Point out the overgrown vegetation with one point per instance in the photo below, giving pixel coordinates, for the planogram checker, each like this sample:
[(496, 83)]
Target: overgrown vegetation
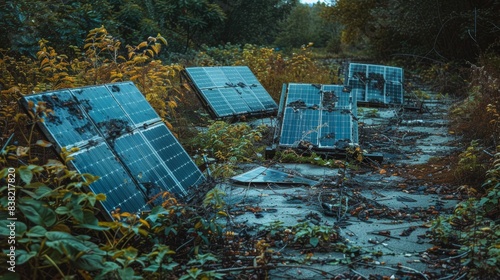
[(474, 227), (229, 144)]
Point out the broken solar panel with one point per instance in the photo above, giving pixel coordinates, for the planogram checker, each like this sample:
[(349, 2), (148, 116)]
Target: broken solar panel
[(122, 140), (318, 116), (230, 91), (376, 83), (265, 175)]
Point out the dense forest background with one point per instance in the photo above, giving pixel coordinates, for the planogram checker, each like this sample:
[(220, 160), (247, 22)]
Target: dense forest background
[(450, 47), (441, 30)]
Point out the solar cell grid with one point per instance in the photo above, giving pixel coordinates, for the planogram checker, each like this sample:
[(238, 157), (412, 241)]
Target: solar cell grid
[(174, 157), (249, 97), (235, 102), (233, 74), (300, 127), (201, 77), (343, 95), (102, 106), (393, 74), (133, 103), (68, 123), (217, 76), (114, 182), (264, 98), (300, 95), (144, 165), (393, 90), (218, 102), (337, 126)]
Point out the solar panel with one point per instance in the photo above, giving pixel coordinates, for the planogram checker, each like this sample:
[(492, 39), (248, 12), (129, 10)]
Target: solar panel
[(265, 175), (121, 139), (230, 91), (378, 83), (318, 116)]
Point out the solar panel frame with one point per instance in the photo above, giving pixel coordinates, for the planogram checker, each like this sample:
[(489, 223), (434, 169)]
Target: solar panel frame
[(379, 83), (318, 117), (229, 91), (142, 157)]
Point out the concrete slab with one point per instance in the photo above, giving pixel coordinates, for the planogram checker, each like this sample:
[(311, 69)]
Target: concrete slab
[(380, 227), (385, 236)]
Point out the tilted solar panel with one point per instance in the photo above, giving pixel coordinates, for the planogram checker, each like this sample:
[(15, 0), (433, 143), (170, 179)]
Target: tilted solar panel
[(121, 139), (379, 83), (230, 91), (318, 116)]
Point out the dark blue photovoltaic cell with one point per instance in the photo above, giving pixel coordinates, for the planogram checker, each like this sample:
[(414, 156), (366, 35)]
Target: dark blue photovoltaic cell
[(218, 77), (145, 165), (394, 74), (235, 101), (378, 82), (337, 125), (235, 74), (114, 181), (306, 93), (300, 126), (375, 95), (67, 124), (218, 101), (357, 71), (201, 78), (358, 94), (255, 96), (358, 87), (103, 109), (319, 115), (253, 103), (392, 91), (231, 91), (264, 98), (174, 157), (343, 96), (133, 103)]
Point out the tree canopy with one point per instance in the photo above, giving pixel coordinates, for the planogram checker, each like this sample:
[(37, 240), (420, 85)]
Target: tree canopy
[(444, 30)]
